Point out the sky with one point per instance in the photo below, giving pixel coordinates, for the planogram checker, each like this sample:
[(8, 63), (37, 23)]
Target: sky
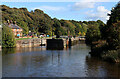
[(79, 11)]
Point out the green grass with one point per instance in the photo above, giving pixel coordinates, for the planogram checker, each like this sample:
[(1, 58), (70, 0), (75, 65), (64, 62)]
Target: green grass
[(23, 38)]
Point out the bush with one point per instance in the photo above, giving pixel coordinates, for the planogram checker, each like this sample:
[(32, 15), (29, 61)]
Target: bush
[(98, 47), (112, 55), (8, 38)]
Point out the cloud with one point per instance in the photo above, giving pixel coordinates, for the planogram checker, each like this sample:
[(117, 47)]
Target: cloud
[(83, 5), (50, 8), (100, 13), (102, 9)]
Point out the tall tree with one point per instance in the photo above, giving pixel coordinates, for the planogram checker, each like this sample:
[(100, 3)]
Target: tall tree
[(113, 28), (8, 39)]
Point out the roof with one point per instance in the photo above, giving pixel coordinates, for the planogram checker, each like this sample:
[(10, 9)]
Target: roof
[(14, 26)]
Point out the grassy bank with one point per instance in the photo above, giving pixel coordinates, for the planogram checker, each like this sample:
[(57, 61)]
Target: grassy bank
[(22, 38)]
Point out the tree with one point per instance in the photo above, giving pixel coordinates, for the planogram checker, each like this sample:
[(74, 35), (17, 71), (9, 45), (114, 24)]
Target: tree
[(115, 14), (57, 25), (93, 34), (8, 39), (39, 22), (112, 29), (113, 38)]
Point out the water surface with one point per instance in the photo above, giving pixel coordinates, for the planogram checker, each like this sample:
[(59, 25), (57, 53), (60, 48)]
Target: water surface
[(71, 62)]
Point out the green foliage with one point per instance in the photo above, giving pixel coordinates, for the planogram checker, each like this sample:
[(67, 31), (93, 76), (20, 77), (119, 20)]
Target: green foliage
[(113, 38), (112, 29), (57, 26), (111, 34), (39, 22), (112, 56), (93, 34), (85, 27), (25, 27), (70, 28), (78, 28), (115, 14), (8, 39), (36, 21)]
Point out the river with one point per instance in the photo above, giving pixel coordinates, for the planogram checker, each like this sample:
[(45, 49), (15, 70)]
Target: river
[(70, 62)]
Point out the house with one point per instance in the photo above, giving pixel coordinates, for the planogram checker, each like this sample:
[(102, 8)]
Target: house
[(16, 29)]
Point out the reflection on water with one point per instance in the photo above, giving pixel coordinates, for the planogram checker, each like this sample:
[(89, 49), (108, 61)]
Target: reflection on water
[(22, 50), (39, 62), (101, 68)]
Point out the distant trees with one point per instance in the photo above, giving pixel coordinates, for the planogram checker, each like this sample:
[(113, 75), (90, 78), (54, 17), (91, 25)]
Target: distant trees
[(36, 21), (57, 26), (78, 28), (93, 34), (39, 22), (24, 27)]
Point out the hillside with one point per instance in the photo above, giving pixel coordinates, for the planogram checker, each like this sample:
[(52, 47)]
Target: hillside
[(39, 22)]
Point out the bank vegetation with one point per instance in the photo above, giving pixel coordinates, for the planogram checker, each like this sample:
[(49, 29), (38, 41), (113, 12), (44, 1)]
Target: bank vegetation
[(105, 39)]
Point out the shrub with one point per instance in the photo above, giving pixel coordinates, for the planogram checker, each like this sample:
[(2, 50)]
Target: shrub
[(112, 55), (98, 47)]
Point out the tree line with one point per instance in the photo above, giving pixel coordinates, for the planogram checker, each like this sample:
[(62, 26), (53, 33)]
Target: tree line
[(105, 39), (39, 22)]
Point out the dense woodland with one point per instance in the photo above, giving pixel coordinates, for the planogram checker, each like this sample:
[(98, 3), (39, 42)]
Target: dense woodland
[(105, 40), (39, 22)]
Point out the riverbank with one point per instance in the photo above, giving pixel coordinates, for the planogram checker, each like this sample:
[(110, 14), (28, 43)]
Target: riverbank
[(101, 49)]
